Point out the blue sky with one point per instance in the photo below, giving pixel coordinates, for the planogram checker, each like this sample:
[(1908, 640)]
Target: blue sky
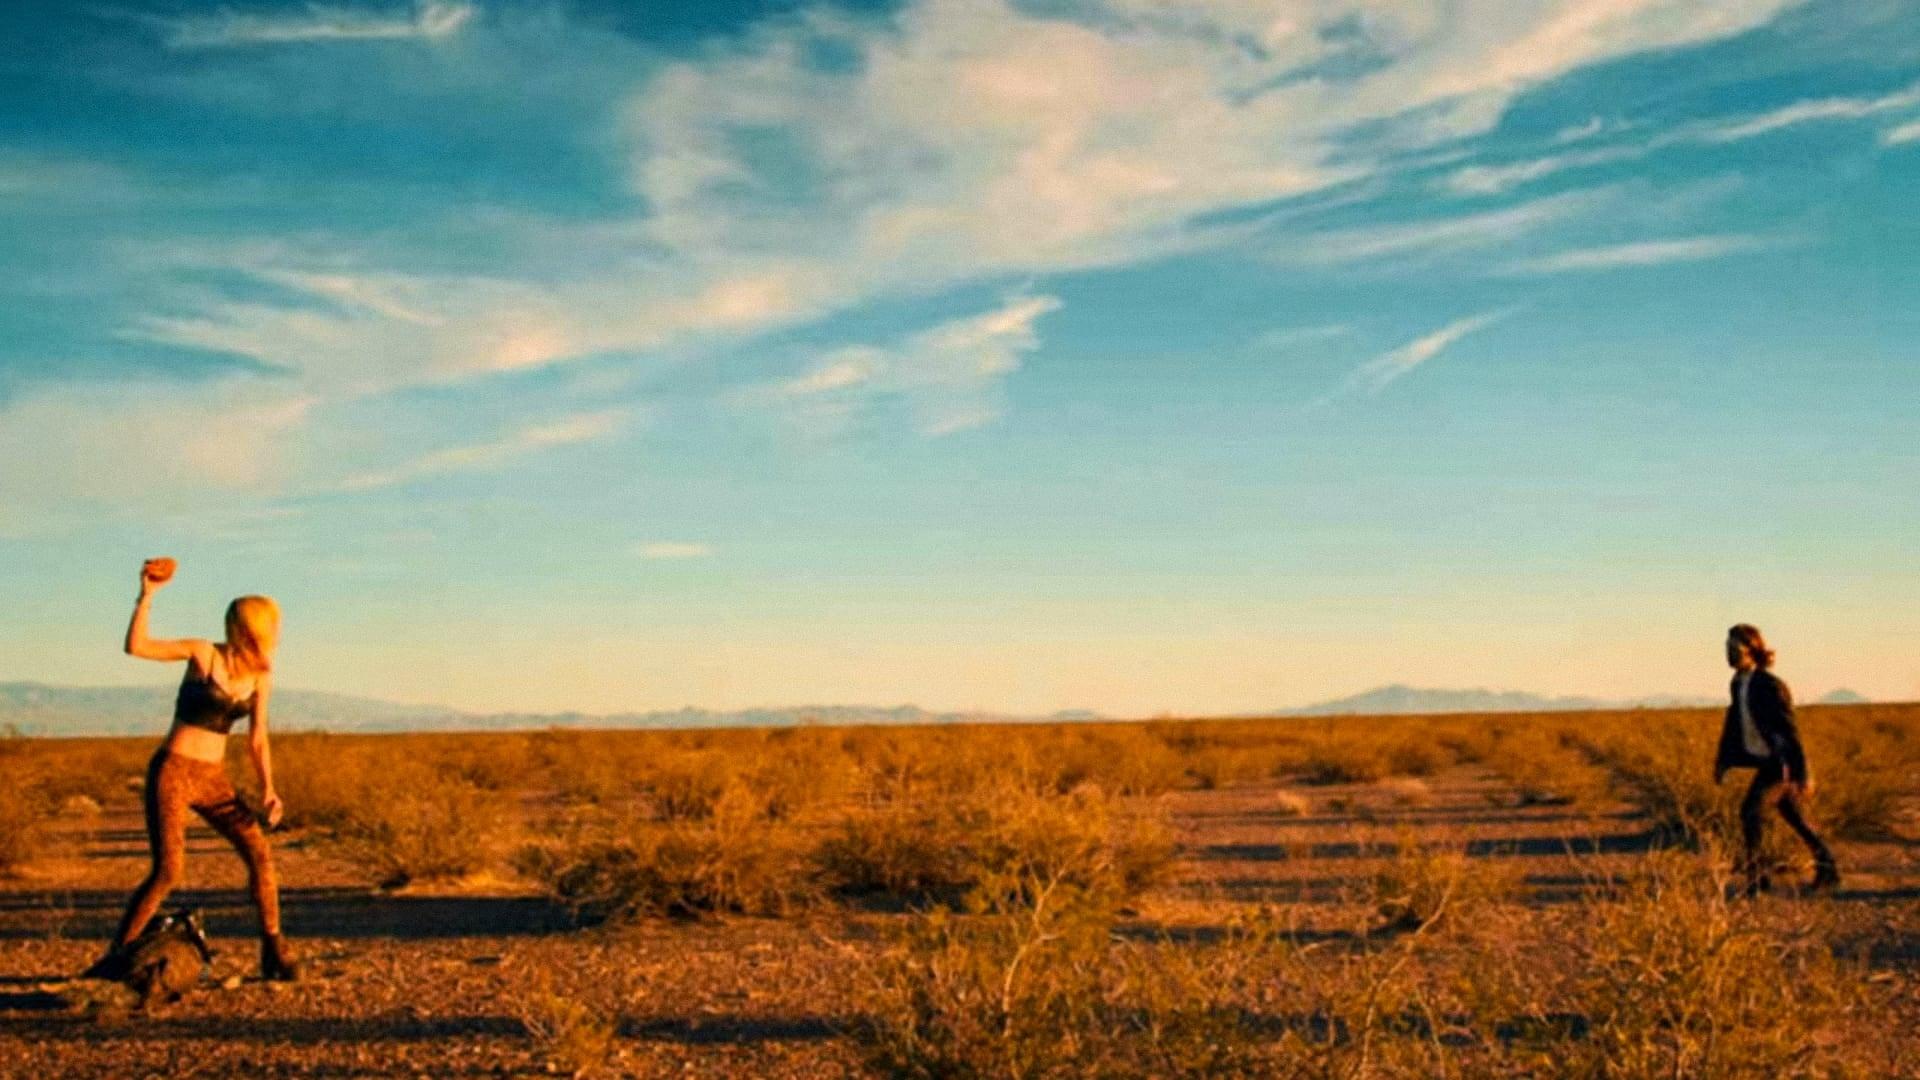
[(1138, 355)]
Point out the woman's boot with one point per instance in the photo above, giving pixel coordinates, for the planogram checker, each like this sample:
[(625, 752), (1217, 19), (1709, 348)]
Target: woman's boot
[(274, 964), (114, 965)]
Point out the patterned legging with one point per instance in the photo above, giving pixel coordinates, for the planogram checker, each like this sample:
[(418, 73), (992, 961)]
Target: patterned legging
[(175, 785)]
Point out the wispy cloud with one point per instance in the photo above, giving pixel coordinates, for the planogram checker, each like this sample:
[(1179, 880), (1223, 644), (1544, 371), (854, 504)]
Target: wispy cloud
[(673, 549), (354, 292), (947, 375), (579, 428), (428, 20), (1499, 178), (1434, 235), (1901, 135), (959, 143), (1581, 132), (1646, 253), (1378, 373), (1801, 112), (954, 150), (1555, 37), (845, 368), (1287, 337)]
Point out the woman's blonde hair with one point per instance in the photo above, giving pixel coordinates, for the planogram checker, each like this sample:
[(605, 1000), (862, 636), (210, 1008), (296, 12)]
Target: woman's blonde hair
[(1748, 635), (253, 629)]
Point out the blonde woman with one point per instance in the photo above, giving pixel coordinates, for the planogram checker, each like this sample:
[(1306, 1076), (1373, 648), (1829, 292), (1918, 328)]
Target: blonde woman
[(224, 682)]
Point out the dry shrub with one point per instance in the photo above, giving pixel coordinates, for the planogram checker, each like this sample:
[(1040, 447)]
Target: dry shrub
[(1088, 838), (48, 779), (735, 861), (997, 837), (911, 850), (1866, 770), (405, 833), (1012, 995), (1223, 766), (1469, 741), (22, 828), (97, 769), (1179, 1009), (1345, 1011), (1416, 754), (1667, 771), (1345, 758), (1406, 791), (686, 786), (1048, 992), (390, 806), (798, 770), (894, 768), (1288, 758), (323, 778), (80, 806), (1290, 804), (572, 1036), (1424, 886), (1543, 767), (1864, 804), (1676, 980), (490, 762), (1043, 992), (1124, 759), (585, 767)]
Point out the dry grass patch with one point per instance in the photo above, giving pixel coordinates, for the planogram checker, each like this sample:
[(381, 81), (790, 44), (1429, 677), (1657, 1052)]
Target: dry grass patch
[(686, 786), (1125, 759), (1867, 771), (914, 851), (1290, 804), (997, 837), (1666, 769), (1676, 980), (1344, 758), (1545, 766), (571, 1035), (20, 818), (47, 780), (1407, 791), (22, 829), (1422, 886), (1044, 992), (402, 815), (734, 861)]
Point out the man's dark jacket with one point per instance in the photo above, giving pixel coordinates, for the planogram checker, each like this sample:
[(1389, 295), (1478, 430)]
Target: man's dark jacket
[(1770, 704)]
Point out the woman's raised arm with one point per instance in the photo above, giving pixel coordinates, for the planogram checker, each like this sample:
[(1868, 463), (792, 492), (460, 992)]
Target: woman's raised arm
[(147, 648)]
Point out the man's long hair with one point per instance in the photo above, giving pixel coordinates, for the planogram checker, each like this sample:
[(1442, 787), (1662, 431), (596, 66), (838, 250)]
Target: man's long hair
[(1748, 635)]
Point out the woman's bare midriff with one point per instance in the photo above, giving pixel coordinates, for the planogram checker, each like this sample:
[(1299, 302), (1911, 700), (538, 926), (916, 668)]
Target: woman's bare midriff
[(197, 743)]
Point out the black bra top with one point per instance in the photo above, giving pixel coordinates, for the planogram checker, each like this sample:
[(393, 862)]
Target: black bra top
[(201, 704)]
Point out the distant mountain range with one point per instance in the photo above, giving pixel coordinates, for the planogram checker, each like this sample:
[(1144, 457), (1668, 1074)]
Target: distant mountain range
[(1400, 699), (38, 709), (1842, 696)]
